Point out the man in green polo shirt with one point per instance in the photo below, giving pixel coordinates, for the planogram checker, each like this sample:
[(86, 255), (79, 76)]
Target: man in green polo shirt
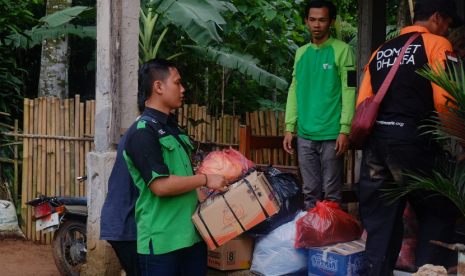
[(321, 102), (157, 153)]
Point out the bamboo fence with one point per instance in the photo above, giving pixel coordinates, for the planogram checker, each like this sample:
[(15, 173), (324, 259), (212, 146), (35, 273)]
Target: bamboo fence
[(58, 134), (224, 132), (55, 145)]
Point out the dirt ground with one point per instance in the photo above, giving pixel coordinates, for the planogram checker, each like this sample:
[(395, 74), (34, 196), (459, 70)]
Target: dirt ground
[(24, 258)]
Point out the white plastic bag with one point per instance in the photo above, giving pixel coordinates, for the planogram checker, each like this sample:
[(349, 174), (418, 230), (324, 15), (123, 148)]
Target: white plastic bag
[(9, 221), (275, 253)]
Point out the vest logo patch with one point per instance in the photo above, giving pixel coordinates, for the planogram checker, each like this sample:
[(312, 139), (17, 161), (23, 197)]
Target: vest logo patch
[(327, 66), (161, 131), (451, 56)]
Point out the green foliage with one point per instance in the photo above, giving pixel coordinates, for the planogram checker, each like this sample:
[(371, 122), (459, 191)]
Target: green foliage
[(14, 15), (52, 26), (181, 23), (450, 180), (245, 63)]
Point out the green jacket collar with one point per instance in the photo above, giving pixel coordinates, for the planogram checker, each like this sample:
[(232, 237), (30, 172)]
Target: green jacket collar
[(324, 45)]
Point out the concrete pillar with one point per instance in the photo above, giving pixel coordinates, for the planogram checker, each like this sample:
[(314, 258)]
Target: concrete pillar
[(116, 108), (371, 30), (371, 34)]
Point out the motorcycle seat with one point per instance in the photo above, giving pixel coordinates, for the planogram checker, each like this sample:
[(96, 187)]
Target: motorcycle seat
[(82, 201)]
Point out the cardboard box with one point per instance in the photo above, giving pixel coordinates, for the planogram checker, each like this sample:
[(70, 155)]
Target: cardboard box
[(339, 259), (246, 204), (233, 255)]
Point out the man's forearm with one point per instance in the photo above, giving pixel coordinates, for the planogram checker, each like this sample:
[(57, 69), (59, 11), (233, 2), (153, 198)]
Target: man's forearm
[(176, 185)]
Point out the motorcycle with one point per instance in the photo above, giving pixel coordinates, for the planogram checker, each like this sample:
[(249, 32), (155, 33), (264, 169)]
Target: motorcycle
[(68, 216)]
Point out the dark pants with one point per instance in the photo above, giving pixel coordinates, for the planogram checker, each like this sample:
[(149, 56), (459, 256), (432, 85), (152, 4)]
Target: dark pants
[(126, 251), (320, 168), (189, 261), (385, 162)]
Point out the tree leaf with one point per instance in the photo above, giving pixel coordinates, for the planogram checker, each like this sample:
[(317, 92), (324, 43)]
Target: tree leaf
[(61, 17), (242, 8), (270, 14), (222, 6), (36, 36), (246, 64), (198, 18)]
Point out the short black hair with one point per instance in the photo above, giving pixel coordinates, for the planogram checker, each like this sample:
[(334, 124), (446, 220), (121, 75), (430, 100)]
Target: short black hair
[(426, 16), (141, 99), (322, 4), (151, 71)]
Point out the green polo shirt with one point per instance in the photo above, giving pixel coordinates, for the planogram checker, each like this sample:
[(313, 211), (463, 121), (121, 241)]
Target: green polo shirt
[(152, 151)]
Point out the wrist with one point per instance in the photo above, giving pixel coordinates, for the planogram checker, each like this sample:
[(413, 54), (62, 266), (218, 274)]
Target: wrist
[(205, 180), (343, 133)]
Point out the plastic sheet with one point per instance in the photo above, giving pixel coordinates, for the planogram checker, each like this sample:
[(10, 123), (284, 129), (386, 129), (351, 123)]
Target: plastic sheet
[(326, 224), (275, 254), (228, 162), (287, 188)]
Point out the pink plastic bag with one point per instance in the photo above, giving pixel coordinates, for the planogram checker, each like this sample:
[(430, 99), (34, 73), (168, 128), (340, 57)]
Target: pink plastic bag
[(228, 162), (326, 224)]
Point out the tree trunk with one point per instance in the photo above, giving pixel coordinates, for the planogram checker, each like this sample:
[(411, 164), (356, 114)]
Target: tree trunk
[(403, 15), (53, 81)]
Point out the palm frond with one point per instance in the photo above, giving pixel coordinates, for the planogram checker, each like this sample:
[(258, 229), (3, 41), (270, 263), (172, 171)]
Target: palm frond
[(449, 183), (450, 125)]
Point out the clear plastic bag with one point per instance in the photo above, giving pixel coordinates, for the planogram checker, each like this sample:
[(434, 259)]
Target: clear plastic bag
[(326, 224), (275, 254), (228, 162)]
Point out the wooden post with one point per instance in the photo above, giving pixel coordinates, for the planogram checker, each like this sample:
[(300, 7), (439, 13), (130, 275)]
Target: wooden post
[(209, 129), (72, 154), (92, 126), (63, 169), (87, 131), (53, 155), (35, 177), (247, 118), (204, 125), (25, 180), (253, 125), (244, 146), (220, 130), (82, 157), (15, 164), (67, 151), (31, 170), (274, 132), (185, 113), (77, 116), (58, 129)]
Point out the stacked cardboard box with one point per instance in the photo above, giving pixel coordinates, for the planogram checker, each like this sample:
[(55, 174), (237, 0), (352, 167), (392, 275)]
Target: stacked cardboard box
[(340, 259), (225, 216), (233, 255)]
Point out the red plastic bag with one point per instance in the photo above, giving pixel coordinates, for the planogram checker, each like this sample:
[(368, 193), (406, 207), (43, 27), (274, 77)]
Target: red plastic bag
[(407, 258), (326, 224), (228, 162)]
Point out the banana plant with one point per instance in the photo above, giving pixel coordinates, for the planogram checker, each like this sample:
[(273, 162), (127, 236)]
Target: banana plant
[(51, 26), (200, 20)]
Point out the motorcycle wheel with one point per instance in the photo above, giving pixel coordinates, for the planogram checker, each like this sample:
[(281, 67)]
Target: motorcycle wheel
[(70, 247)]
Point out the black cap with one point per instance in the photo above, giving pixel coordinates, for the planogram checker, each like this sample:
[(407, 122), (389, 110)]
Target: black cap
[(444, 6)]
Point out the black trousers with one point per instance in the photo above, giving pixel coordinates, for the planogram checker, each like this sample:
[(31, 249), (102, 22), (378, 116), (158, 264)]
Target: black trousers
[(126, 251), (384, 162)]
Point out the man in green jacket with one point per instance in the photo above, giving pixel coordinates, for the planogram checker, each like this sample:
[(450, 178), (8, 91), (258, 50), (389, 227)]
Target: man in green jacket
[(321, 102)]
